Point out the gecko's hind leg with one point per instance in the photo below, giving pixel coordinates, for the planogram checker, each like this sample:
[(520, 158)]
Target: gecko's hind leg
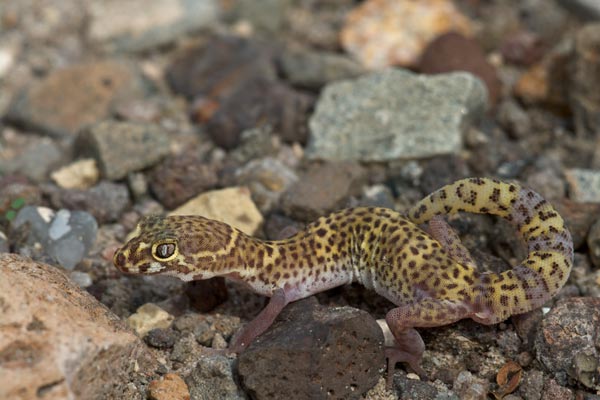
[(427, 312), (448, 238)]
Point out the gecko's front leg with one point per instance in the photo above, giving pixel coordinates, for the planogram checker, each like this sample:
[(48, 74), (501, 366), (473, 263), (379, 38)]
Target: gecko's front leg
[(261, 322)]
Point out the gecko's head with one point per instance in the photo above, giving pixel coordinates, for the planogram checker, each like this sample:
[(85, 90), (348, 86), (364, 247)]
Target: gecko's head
[(189, 247)]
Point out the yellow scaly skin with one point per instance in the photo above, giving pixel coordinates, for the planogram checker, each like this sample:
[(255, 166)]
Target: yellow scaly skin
[(430, 277)]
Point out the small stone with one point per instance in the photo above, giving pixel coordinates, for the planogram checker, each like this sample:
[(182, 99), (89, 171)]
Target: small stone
[(148, 317), (181, 177), (37, 160), (567, 334), (81, 174), (56, 339), (120, 26), (267, 16), (138, 185), (7, 59), (382, 33), (65, 236), (585, 88), (212, 378), (376, 196), (160, 338), (234, 206), (204, 334), (532, 384), (82, 279), (105, 201), (123, 147), (322, 189), (314, 69), (267, 178), (207, 294), (522, 48), (552, 390), (278, 227), (169, 387), (308, 353), (454, 52), (255, 143), (469, 387), (14, 194), (4, 245), (186, 351), (394, 114), (584, 185), (87, 93)]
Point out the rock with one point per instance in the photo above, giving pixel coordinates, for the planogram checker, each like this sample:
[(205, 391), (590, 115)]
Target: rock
[(81, 174), (123, 147), (231, 205), (233, 85), (212, 378), (585, 88), (148, 317), (4, 245), (170, 387), (267, 178), (522, 48), (593, 242), (469, 387), (394, 114), (16, 193), (65, 236), (256, 143), (36, 161), (321, 189), (120, 26), (553, 390), (565, 340), (259, 103), (314, 352), (314, 69), (87, 93), (376, 196), (82, 279), (547, 81), (579, 217), (454, 52), (586, 9), (278, 227), (161, 338), (205, 295), (381, 33), (267, 16), (56, 339), (106, 201), (584, 185), (181, 177), (531, 385)]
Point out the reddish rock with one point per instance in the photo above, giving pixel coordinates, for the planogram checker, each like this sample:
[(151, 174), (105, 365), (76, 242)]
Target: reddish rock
[(57, 341), (73, 97), (579, 217), (585, 87), (181, 177), (322, 189), (522, 48), (455, 52), (170, 387), (314, 352), (567, 340)]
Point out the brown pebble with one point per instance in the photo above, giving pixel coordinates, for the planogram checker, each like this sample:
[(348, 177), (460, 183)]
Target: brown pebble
[(170, 387)]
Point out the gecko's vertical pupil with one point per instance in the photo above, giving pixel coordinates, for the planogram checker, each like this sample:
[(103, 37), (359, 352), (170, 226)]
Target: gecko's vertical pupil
[(165, 250)]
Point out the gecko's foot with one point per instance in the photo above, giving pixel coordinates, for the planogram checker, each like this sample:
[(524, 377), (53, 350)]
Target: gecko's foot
[(395, 355)]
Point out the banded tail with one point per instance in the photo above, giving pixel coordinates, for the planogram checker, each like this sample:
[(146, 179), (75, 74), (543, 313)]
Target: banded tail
[(550, 248)]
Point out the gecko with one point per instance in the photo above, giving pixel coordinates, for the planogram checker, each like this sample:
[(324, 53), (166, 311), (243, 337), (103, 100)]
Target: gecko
[(427, 273)]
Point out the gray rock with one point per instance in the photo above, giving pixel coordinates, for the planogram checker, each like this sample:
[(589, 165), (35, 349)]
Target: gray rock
[(314, 69), (123, 147), (120, 26), (267, 16), (394, 114), (584, 185), (36, 161), (65, 236), (585, 86), (587, 9), (4, 246), (106, 201), (213, 379)]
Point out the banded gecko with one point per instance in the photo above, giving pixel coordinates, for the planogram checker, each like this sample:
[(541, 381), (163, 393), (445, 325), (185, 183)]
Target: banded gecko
[(430, 276)]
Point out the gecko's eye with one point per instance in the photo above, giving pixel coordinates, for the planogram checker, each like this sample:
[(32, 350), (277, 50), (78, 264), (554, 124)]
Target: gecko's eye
[(164, 251)]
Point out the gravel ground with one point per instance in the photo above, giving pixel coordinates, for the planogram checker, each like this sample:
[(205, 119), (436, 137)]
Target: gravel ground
[(268, 114)]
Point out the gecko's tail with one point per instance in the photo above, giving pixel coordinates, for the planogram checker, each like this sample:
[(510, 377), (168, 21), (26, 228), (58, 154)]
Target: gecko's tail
[(550, 247)]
